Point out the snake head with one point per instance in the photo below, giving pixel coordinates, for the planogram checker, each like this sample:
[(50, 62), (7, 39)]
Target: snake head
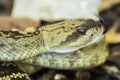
[(71, 35)]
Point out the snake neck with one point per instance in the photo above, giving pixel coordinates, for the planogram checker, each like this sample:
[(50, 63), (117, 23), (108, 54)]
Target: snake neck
[(22, 45)]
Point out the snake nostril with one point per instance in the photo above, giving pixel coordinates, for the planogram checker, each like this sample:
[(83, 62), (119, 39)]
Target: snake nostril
[(96, 29), (91, 34)]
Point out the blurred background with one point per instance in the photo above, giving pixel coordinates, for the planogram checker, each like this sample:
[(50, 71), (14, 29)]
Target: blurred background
[(5, 7), (20, 14)]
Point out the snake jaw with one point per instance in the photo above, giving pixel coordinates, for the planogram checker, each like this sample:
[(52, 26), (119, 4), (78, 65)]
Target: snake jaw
[(67, 50), (62, 50)]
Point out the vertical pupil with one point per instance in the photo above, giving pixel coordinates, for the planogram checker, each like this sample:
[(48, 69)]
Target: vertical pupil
[(81, 31)]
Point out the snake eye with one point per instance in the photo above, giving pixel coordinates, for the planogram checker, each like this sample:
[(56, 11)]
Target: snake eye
[(81, 31)]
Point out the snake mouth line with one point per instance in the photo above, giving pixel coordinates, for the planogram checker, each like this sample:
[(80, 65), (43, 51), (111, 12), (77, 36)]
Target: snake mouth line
[(64, 50)]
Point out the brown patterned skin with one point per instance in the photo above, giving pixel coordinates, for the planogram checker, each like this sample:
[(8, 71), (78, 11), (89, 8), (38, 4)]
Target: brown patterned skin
[(88, 57), (63, 37), (64, 45)]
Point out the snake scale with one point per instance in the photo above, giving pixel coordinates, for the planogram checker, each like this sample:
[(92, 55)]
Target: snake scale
[(69, 44)]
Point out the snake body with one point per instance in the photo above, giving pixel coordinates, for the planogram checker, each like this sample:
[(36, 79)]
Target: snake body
[(69, 44), (88, 57), (11, 71)]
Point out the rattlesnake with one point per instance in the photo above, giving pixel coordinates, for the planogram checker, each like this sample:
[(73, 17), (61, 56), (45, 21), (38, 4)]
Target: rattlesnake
[(69, 44)]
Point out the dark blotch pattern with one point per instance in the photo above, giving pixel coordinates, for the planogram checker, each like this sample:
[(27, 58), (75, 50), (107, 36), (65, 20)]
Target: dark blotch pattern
[(17, 35)]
